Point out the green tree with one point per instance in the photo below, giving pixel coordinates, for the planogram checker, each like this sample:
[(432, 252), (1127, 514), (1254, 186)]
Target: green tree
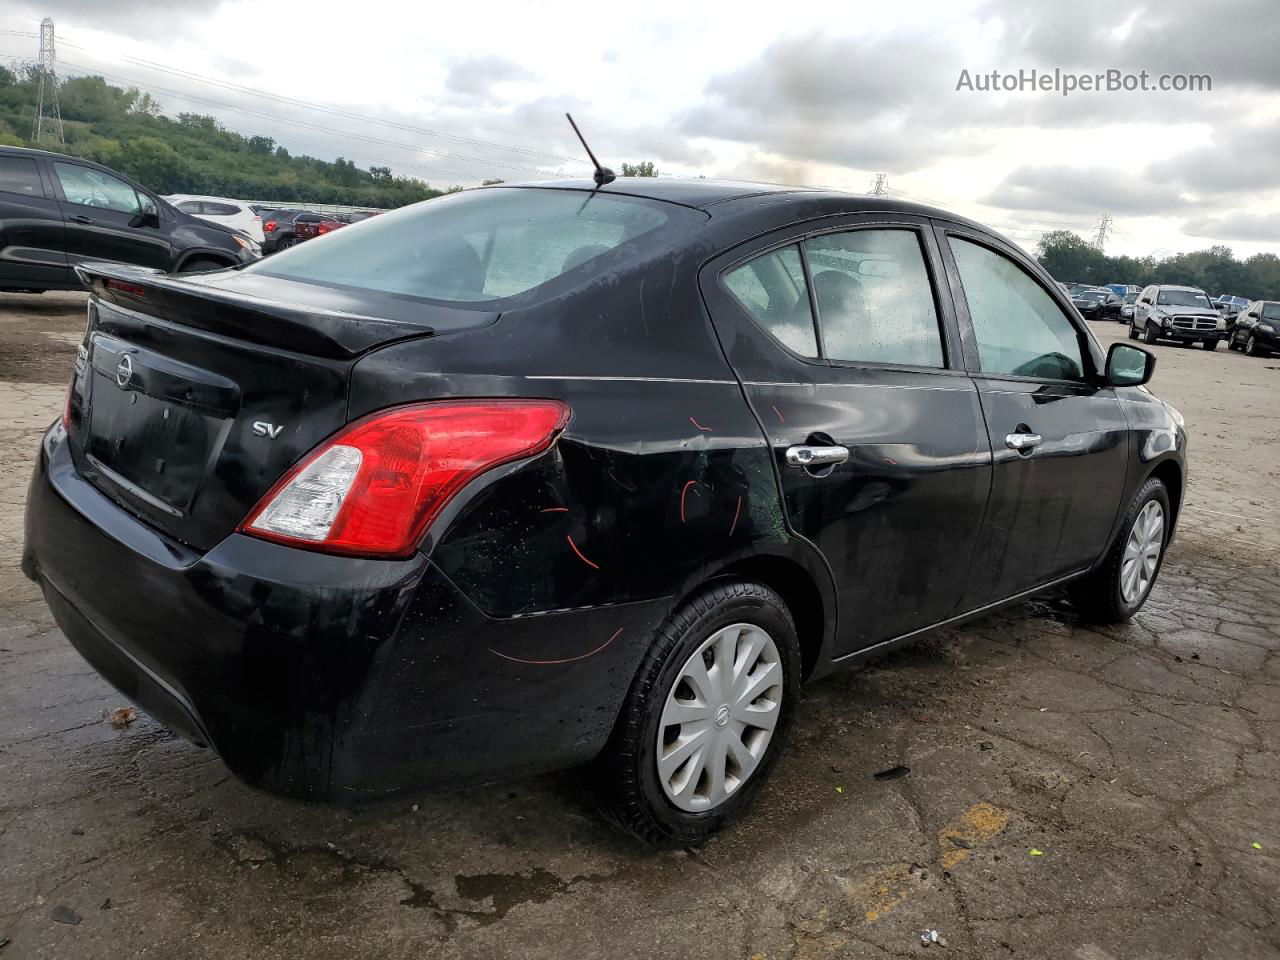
[(644, 168), (1068, 257)]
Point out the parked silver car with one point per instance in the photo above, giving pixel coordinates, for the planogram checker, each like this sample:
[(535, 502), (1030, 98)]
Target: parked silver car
[(1183, 314)]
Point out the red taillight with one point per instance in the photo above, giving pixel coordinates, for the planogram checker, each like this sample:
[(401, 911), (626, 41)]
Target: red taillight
[(374, 488), (269, 227), (66, 407), (326, 227), (130, 288)]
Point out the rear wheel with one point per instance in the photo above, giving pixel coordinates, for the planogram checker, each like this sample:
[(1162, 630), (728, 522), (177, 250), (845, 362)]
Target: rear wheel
[(705, 718), (286, 243), (1120, 586)]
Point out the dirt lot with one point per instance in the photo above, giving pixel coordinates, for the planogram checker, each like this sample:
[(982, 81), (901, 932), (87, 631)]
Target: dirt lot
[(1073, 793)]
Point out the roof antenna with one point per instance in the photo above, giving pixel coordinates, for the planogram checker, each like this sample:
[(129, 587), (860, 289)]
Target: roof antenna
[(602, 175)]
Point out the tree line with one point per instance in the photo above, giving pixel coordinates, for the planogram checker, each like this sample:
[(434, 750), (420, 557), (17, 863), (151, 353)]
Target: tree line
[(1071, 258), (190, 153)]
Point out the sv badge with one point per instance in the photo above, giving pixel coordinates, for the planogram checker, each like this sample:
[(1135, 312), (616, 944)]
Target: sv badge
[(269, 430)]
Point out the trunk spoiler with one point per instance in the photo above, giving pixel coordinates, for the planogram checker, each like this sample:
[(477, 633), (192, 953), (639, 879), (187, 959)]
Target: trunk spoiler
[(303, 329)]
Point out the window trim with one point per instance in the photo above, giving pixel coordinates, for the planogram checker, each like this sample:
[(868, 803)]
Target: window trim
[(1084, 336), (951, 358), (35, 161)]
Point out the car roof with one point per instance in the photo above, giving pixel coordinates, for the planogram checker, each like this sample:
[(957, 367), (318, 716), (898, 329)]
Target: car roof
[(1178, 286), (690, 191)]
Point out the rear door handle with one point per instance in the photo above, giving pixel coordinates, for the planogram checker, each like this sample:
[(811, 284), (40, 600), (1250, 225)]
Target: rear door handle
[(1023, 442), (816, 456), (81, 219)]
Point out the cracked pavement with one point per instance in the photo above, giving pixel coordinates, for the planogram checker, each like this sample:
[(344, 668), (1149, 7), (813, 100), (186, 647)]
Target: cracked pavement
[(1138, 762)]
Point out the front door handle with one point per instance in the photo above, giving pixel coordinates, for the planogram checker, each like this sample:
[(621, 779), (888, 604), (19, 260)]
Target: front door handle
[(81, 219), (816, 456), (1023, 442)]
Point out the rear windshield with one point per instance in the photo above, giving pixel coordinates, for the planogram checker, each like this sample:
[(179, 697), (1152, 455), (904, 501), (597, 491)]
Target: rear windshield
[(480, 245)]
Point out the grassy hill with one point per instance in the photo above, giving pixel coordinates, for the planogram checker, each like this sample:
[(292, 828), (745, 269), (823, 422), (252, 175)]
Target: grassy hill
[(191, 153)]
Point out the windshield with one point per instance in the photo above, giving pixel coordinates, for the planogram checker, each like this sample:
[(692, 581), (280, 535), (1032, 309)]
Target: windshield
[(1091, 295), (1131, 296), (1183, 298), (480, 245)]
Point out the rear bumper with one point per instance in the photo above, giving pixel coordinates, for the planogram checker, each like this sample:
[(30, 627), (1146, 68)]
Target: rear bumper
[(322, 676)]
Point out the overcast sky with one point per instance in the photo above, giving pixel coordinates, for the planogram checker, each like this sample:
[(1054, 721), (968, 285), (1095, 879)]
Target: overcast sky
[(812, 93)]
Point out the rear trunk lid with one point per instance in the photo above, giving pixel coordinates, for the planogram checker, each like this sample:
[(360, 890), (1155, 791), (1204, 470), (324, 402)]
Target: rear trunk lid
[(192, 396)]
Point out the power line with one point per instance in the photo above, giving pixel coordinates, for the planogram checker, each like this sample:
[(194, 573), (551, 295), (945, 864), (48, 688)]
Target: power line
[(88, 71), (335, 111)]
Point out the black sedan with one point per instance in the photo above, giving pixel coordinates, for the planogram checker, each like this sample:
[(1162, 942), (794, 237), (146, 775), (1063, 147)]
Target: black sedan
[(525, 478), (1098, 304), (1257, 329)]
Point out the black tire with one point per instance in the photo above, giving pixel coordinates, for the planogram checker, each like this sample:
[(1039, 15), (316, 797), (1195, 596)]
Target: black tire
[(1133, 331), (1149, 333), (1251, 347), (198, 264), (624, 778), (286, 242), (1211, 344), (1231, 343), (1098, 595)]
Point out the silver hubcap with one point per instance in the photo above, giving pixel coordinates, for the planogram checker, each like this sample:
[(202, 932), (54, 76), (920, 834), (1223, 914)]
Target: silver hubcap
[(1142, 552), (719, 717)]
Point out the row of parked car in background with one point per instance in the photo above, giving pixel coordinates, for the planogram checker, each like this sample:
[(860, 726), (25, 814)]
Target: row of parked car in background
[(1182, 314), (273, 228)]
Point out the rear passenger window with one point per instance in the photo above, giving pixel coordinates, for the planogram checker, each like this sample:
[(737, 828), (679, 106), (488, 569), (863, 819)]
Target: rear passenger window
[(191, 206), (20, 175), (772, 289), (874, 297), (1018, 327), (220, 209)]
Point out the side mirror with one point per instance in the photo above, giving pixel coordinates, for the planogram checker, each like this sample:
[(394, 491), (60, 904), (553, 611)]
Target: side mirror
[(148, 216), (1128, 366)]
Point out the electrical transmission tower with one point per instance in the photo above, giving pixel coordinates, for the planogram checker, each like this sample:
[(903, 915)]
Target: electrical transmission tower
[(880, 186), (47, 109), (1104, 227)]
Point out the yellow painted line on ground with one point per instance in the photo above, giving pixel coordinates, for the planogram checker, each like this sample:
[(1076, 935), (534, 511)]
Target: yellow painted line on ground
[(975, 826), (888, 887)]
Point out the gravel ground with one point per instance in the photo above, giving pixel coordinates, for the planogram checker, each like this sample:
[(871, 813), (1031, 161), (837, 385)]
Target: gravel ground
[(1073, 792)]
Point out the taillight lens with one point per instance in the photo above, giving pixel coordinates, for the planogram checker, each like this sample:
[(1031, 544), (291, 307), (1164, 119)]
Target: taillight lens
[(374, 488), (269, 227)]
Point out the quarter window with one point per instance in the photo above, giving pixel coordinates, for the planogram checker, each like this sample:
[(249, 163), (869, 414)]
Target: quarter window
[(1019, 329), (19, 175), (875, 301), (772, 289), (93, 188)]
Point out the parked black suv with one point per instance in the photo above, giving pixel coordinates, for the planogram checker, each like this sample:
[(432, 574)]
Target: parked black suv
[(58, 211), (523, 478)]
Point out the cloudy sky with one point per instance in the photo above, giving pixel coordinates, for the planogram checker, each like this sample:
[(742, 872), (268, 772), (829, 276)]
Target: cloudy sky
[(815, 93)]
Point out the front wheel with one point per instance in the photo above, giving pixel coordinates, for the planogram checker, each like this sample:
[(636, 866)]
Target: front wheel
[(1251, 347), (1118, 588), (201, 265), (1211, 344), (1133, 330), (1149, 333), (705, 717)]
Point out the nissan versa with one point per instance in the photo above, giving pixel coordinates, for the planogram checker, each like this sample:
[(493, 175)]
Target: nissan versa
[(524, 478)]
